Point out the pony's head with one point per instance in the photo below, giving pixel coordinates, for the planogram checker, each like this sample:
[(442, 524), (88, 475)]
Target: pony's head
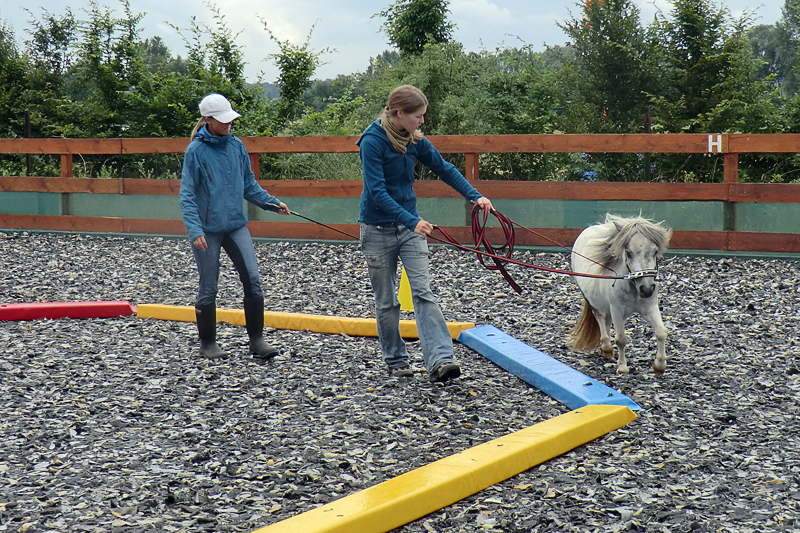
[(637, 244)]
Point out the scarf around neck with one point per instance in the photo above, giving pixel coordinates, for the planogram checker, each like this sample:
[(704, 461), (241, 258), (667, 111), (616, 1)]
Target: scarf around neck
[(398, 139)]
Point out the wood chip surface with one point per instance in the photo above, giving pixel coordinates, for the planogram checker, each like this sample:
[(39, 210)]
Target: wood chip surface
[(117, 425)]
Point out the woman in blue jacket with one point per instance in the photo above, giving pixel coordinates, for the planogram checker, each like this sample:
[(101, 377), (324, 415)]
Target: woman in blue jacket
[(391, 228), (215, 181)]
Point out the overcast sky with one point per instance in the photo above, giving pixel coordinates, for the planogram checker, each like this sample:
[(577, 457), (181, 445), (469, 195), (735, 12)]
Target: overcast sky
[(347, 27)]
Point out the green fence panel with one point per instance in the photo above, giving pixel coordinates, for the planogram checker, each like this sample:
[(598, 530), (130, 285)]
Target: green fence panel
[(30, 203), (768, 217), (325, 210), (125, 206)]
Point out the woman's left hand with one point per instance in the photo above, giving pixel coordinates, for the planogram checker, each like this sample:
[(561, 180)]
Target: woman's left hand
[(485, 203)]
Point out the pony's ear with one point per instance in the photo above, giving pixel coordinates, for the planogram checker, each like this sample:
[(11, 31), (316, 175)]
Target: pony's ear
[(618, 226)]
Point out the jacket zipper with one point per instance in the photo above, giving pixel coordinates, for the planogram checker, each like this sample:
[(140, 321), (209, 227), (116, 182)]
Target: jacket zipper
[(211, 180), (208, 173)]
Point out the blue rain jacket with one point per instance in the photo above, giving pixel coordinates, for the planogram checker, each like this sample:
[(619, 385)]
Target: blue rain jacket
[(215, 181), (388, 193)]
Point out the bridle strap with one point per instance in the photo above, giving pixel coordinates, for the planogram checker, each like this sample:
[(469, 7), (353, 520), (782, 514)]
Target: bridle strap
[(651, 273)]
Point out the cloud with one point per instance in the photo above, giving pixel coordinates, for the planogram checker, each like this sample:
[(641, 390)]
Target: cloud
[(483, 24), (479, 12)]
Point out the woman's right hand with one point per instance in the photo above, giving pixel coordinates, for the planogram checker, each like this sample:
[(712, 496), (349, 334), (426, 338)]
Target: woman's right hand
[(200, 243), (423, 228)]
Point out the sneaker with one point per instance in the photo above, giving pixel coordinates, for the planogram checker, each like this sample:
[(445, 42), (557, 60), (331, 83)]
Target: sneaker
[(445, 372), (401, 372)]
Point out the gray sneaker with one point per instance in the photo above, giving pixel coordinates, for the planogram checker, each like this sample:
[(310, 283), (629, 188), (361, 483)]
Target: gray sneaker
[(401, 372), (445, 372)]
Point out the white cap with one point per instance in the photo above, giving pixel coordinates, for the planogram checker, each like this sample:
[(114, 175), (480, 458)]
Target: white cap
[(217, 106)]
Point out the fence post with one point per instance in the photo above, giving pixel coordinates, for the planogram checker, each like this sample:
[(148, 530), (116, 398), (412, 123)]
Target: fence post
[(66, 165), (28, 163), (254, 165), (471, 166), (731, 170)]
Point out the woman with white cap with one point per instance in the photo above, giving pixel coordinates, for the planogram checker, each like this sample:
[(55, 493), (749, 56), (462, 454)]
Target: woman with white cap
[(215, 181)]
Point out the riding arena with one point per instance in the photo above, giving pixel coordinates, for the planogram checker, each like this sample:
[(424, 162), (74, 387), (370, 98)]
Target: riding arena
[(115, 424)]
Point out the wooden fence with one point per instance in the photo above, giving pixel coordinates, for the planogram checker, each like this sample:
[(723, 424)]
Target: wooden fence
[(731, 233)]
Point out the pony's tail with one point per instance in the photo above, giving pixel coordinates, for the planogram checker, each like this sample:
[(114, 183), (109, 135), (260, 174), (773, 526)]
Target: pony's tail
[(585, 336)]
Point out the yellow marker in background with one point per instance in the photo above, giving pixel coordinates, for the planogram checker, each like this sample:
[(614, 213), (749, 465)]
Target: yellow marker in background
[(404, 293)]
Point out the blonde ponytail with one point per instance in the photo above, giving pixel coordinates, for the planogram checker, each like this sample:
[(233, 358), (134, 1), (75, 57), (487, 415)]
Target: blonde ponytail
[(200, 124)]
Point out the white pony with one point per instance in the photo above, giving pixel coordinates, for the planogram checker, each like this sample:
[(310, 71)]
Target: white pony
[(628, 247)]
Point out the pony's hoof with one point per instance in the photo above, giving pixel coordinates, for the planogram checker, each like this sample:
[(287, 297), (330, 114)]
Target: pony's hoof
[(658, 371), (609, 354), (623, 370)]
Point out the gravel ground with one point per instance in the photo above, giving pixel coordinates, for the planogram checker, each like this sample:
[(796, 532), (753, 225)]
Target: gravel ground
[(116, 425)]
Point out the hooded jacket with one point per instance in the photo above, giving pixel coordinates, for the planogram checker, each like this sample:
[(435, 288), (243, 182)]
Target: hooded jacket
[(215, 181), (388, 193)]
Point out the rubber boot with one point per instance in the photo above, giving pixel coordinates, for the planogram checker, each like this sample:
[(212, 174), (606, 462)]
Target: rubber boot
[(254, 322), (207, 330)]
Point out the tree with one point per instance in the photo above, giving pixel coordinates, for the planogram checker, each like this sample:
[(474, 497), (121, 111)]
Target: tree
[(325, 92), (51, 41), (51, 55), (712, 79), (610, 82), (524, 95), (441, 72), (613, 57), (786, 35), (712, 84), (108, 66), (385, 60), (297, 65), (412, 24), (158, 58), (215, 63), (768, 44), (12, 80)]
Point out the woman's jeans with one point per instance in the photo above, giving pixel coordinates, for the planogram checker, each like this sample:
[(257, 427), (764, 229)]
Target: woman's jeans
[(382, 246), (239, 246)]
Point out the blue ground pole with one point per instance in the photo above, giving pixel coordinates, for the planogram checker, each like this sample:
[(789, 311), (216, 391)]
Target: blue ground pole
[(565, 384)]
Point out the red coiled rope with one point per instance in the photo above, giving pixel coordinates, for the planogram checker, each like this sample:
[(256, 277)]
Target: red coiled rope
[(479, 237)]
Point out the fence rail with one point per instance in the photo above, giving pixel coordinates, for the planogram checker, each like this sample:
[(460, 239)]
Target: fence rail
[(730, 145)]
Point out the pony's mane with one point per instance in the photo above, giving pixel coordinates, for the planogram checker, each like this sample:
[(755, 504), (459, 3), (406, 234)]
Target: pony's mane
[(616, 232)]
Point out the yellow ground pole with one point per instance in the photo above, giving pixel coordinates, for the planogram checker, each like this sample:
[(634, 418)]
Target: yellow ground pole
[(355, 327), (404, 293), (422, 491)]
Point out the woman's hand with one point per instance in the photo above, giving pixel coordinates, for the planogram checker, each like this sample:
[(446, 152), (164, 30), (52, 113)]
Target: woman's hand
[(283, 210), (485, 203), (423, 228), (200, 243)]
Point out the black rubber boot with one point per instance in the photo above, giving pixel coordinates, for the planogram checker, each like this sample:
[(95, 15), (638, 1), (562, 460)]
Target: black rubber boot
[(254, 322), (207, 330)]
